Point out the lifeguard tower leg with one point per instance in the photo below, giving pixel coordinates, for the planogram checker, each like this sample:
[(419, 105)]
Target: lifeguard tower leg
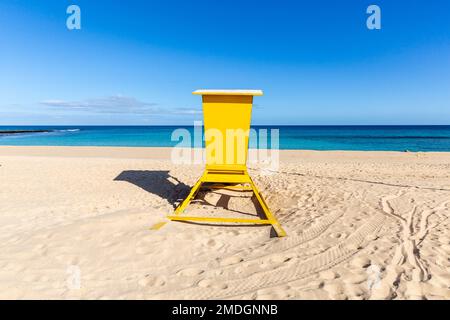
[(189, 198), (272, 220)]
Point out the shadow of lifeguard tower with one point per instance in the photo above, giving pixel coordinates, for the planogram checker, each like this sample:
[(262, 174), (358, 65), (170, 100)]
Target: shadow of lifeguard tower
[(166, 186)]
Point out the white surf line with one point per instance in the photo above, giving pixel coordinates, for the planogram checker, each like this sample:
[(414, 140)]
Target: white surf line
[(320, 262)]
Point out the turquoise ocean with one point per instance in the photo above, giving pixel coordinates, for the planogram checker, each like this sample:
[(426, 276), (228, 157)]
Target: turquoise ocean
[(387, 138)]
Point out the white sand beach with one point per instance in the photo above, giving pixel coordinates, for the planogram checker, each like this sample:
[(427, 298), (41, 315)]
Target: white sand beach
[(75, 223)]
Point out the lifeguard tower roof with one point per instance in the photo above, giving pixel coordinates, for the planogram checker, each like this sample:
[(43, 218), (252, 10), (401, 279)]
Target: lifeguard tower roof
[(229, 92)]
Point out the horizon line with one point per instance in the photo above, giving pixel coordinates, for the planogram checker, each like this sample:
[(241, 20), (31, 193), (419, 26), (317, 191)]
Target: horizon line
[(191, 125)]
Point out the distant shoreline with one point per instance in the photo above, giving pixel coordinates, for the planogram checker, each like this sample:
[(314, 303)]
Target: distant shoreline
[(23, 131), (165, 153)]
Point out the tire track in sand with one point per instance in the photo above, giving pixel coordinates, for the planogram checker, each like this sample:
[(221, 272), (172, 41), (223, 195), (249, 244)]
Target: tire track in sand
[(320, 262), (280, 245), (407, 252), (275, 245), (245, 256), (292, 241)]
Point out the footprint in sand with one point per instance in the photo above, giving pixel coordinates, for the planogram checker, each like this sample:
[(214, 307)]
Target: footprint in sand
[(328, 275), (230, 260), (445, 240), (446, 248), (213, 244), (41, 249), (150, 281), (443, 262), (107, 244), (143, 250), (30, 278), (382, 292), (414, 291), (354, 292), (273, 293), (280, 258), (118, 234), (190, 272), (336, 235), (249, 268), (442, 279), (356, 278), (212, 283), (360, 262), (334, 289)]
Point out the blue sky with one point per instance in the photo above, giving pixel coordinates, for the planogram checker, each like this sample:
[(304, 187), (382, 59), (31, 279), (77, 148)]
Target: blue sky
[(137, 62)]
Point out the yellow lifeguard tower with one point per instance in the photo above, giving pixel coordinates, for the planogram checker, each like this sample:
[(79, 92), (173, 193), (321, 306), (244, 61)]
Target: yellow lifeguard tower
[(227, 116)]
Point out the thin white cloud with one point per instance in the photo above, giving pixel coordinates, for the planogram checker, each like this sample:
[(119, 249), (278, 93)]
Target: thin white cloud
[(117, 104), (186, 111), (113, 105)]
